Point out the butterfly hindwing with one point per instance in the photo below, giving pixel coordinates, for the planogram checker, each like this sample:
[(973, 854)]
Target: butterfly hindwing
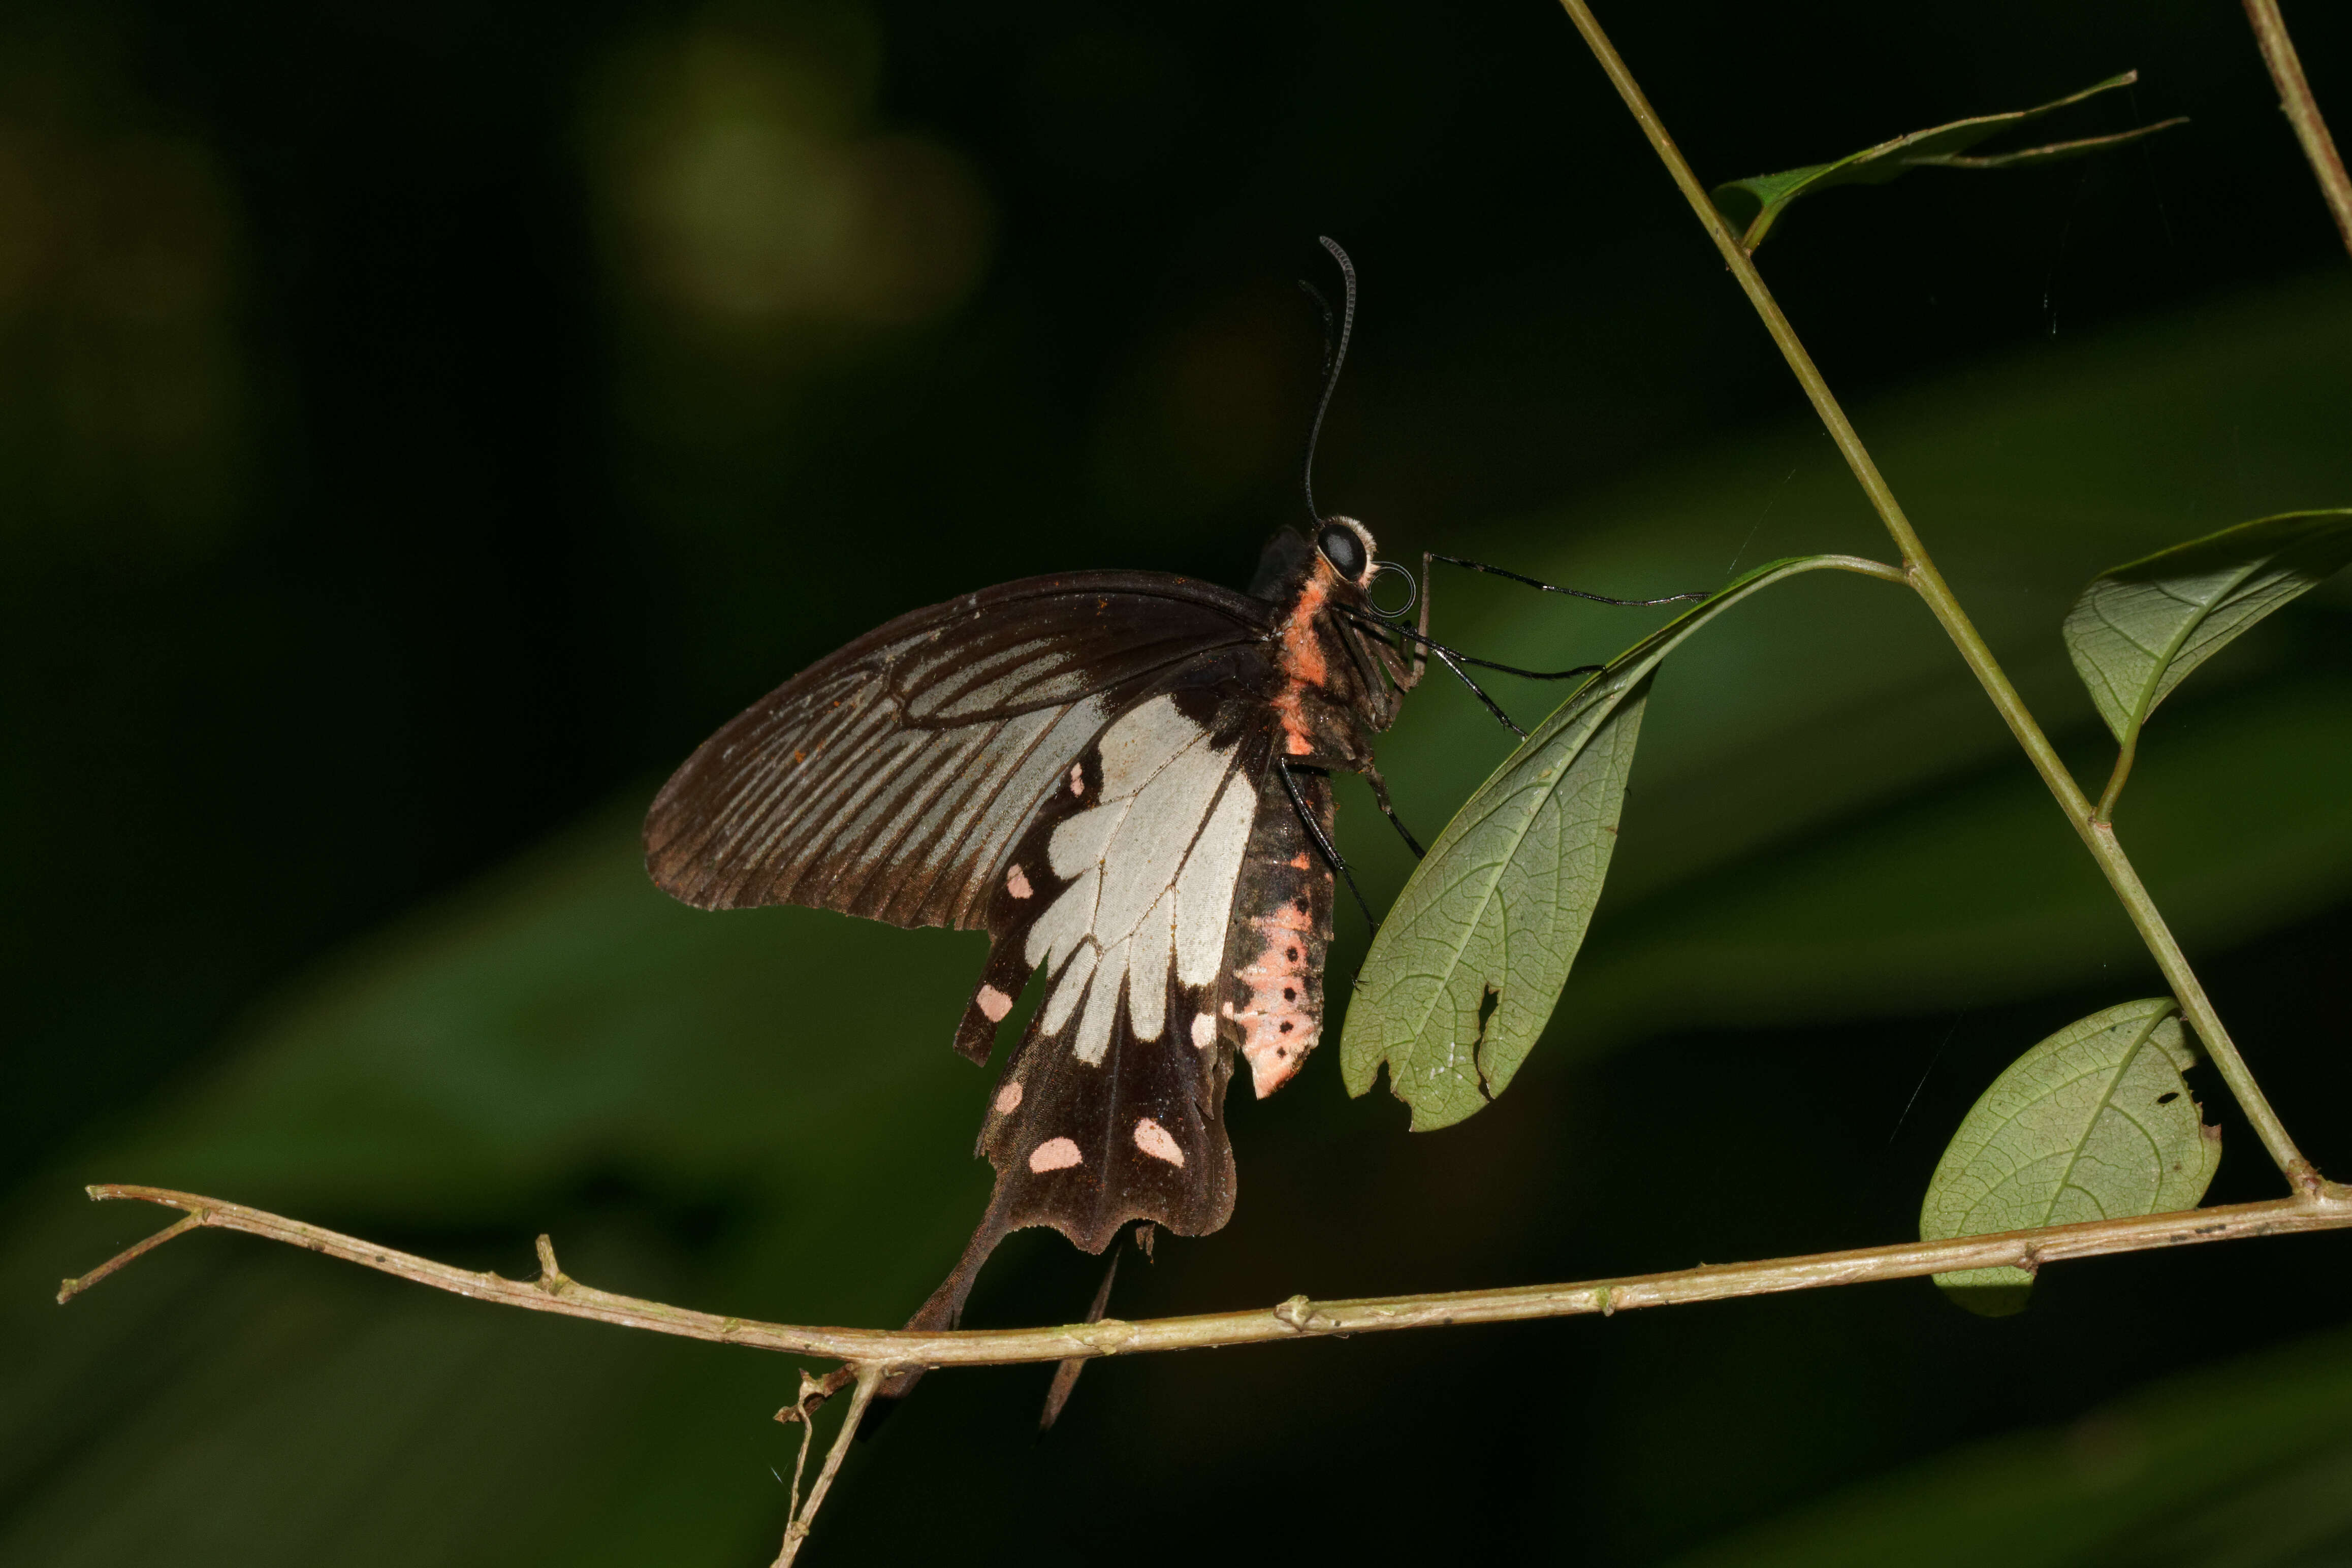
[(890, 779), (1122, 899)]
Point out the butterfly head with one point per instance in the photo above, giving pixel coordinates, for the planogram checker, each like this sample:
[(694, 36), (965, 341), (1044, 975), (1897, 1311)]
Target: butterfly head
[(1345, 547)]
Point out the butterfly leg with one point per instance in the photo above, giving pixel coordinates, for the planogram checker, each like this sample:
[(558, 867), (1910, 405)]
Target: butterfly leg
[(1380, 793), (1422, 645), (1323, 844), (1429, 555)]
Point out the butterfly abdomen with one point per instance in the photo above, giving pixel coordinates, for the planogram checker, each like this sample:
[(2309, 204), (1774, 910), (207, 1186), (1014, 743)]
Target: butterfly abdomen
[(1281, 927)]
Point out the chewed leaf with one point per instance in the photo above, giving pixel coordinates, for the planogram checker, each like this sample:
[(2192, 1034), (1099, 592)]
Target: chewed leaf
[(1453, 999), (2095, 1122), (1753, 205), (1469, 964), (2138, 629)]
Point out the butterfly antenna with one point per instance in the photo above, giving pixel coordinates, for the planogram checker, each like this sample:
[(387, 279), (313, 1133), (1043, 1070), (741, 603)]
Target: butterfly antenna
[(1323, 843), (1571, 593), (1334, 354)]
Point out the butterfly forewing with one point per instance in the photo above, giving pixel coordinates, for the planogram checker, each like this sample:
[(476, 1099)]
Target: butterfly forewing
[(890, 780)]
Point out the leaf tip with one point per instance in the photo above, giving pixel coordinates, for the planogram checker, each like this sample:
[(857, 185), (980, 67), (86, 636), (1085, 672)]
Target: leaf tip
[(1998, 1292)]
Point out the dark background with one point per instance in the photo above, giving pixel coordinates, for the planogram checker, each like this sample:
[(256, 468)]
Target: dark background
[(420, 424)]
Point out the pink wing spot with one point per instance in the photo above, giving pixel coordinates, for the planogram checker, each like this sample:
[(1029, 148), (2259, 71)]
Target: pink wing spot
[(1077, 778), (1054, 1154), (1008, 1099), (1204, 1030), (1017, 883), (1300, 860), (1154, 1140), (995, 1003)]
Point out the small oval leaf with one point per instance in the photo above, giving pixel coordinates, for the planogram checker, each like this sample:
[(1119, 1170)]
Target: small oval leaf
[(2095, 1122), (1753, 205), (1465, 970), (2138, 629)]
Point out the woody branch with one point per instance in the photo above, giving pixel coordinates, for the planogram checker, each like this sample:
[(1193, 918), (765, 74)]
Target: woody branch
[(1297, 1318)]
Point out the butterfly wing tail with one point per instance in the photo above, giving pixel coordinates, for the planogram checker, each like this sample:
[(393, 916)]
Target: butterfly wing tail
[(944, 1310)]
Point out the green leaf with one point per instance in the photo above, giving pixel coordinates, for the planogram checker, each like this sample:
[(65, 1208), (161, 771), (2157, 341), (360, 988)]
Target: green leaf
[(1755, 205), (1469, 964), (2094, 1123), (2139, 629)]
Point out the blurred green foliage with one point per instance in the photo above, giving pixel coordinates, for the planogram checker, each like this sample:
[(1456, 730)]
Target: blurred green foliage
[(2246, 1463), (420, 425)]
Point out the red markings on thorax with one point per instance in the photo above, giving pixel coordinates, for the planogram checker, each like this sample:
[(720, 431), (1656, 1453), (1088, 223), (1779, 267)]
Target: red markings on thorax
[(1302, 660)]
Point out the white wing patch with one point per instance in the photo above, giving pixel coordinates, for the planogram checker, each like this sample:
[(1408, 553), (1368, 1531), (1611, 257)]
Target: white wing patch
[(1152, 866), (1206, 888)]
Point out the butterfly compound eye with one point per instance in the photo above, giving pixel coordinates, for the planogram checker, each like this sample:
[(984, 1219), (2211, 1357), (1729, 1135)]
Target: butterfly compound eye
[(1344, 549)]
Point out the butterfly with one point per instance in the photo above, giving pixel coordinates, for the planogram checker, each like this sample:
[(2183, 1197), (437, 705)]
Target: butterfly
[(1124, 778)]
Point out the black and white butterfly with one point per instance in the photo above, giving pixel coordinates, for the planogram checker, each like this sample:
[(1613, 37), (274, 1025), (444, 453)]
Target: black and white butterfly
[(1124, 778), (1121, 776)]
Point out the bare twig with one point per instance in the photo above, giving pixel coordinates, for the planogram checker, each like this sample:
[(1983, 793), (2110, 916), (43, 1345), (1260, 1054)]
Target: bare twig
[(796, 1526), (814, 1391), (800, 1410), (2097, 835), (74, 1286), (2301, 111), (889, 1350)]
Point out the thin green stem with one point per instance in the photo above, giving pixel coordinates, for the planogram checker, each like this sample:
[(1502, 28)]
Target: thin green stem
[(1864, 566), (1920, 569), (2104, 811), (2301, 111)]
